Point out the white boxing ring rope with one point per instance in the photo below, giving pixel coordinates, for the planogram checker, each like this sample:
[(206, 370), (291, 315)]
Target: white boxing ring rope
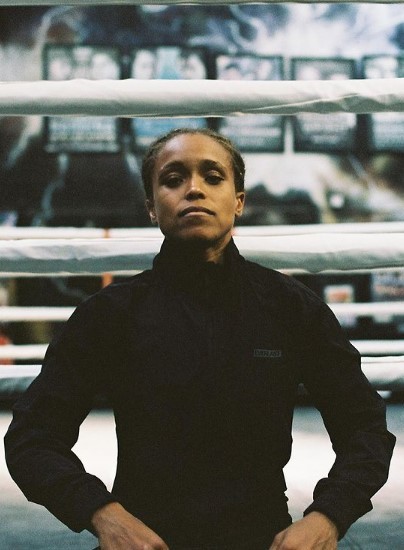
[(199, 98), (385, 375), (9, 233), (373, 348), (41, 313), (313, 253)]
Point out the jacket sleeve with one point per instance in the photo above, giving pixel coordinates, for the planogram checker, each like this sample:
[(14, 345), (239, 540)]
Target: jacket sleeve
[(355, 418), (47, 418)]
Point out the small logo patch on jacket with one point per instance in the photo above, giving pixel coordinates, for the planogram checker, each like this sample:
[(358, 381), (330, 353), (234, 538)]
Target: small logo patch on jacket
[(268, 353)]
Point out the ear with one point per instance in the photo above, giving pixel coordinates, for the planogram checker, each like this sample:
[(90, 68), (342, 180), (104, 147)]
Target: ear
[(240, 200), (151, 210)]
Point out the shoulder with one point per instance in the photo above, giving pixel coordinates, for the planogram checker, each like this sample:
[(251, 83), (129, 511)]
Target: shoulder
[(282, 289), (124, 288), (115, 299), (273, 280)]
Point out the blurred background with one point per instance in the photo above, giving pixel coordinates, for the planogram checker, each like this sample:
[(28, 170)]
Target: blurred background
[(84, 172)]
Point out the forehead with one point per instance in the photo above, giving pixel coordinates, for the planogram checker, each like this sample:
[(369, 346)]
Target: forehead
[(193, 148)]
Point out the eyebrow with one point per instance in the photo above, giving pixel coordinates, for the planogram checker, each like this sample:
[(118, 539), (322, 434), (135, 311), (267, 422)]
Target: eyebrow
[(208, 164), (205, 164)]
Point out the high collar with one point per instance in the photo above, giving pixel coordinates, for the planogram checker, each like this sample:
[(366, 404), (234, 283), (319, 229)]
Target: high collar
[(175, 264)]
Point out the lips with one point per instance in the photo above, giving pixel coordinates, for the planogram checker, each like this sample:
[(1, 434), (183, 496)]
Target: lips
[(196, 210)]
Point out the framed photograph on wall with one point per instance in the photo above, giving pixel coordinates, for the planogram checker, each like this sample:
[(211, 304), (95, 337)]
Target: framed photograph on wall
[(251, 132), (87, 134), (324, 133), (165, 62), (385, 131)]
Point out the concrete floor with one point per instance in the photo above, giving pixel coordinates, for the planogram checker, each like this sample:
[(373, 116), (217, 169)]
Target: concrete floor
[(26, 526)]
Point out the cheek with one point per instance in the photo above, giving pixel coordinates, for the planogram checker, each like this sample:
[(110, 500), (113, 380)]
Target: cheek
[(232, 204), (165, 207)]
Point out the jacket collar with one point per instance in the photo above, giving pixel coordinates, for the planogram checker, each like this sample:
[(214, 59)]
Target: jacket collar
[(175, 263)]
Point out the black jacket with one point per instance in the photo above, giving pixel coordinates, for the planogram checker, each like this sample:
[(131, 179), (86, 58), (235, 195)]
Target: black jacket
[(201, 364)]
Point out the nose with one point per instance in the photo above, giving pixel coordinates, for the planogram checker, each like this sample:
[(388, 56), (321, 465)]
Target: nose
[(195, 188)]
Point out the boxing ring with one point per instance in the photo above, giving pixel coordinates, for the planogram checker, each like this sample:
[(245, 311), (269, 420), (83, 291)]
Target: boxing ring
[(339, 248)]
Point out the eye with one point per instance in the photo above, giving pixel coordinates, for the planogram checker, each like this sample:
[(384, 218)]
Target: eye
[(214, 178), (172, 180)]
